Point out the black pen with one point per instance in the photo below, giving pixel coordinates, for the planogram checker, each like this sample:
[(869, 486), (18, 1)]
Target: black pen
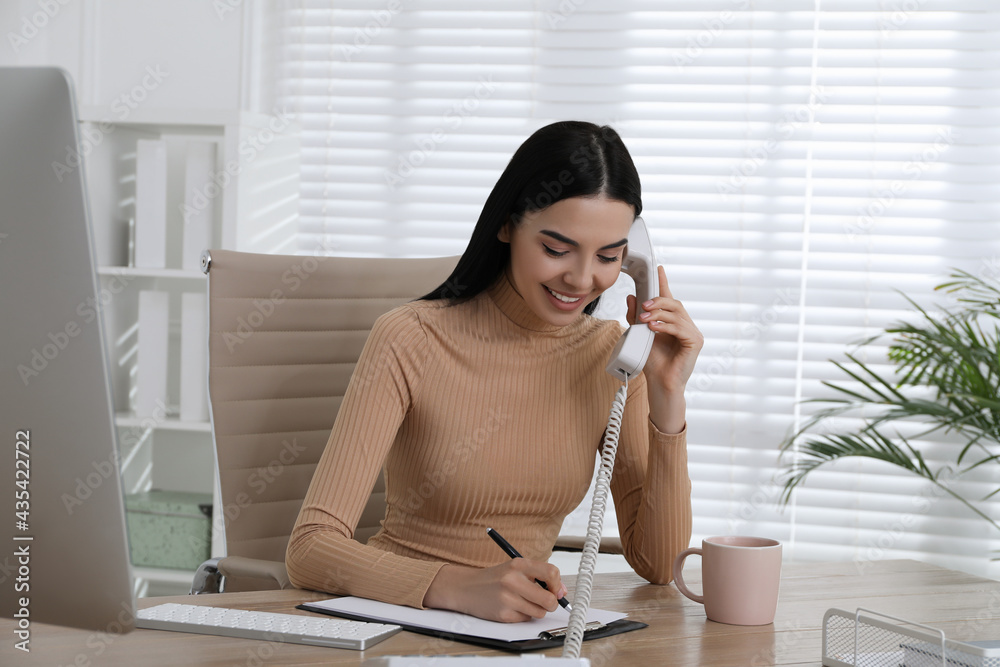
[(512, 552)]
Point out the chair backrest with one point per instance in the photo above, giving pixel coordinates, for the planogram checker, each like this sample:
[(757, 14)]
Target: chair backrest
[(285, 333)]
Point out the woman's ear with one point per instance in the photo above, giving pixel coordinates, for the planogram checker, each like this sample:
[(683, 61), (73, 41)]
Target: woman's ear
[(504, 234)]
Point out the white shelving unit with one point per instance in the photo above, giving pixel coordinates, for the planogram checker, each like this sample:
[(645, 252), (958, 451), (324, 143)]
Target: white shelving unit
[(254, 208), (177, 71)]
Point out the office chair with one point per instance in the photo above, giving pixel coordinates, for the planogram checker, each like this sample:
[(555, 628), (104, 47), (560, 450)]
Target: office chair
[(285, 333)]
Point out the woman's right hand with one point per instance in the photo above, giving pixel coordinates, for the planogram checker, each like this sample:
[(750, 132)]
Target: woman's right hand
[(506, 592)]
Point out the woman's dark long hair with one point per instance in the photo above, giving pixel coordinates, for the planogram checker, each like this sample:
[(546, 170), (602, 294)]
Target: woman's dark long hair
[(559, 161)]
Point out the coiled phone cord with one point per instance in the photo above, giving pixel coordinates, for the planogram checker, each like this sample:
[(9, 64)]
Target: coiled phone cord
[(588, 559)]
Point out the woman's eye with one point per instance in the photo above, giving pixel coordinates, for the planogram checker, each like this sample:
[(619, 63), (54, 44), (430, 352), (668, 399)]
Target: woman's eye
[(602, 258), (551, 252)]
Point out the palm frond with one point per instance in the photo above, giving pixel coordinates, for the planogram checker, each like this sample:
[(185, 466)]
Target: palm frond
[(825, 449), (945, 377)]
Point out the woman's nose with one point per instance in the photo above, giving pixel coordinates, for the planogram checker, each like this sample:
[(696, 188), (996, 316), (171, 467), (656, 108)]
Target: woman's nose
[(580, 278)]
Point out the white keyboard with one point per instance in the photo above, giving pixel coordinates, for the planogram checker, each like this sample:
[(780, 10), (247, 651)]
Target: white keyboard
[(531, 660), (290, 628)]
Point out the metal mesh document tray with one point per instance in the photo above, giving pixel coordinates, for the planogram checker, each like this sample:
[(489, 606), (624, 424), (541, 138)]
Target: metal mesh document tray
[(859, 639)]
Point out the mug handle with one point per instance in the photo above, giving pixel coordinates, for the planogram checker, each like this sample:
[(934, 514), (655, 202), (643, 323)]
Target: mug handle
[(679, 580)]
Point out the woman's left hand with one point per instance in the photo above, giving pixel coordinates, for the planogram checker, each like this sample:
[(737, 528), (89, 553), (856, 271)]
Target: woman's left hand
[(676, 345)]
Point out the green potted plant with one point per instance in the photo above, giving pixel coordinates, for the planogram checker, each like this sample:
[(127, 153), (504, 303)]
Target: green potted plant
[(946, 379)]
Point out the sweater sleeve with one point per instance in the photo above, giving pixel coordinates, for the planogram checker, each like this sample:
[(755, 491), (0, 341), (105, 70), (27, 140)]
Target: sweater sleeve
[(652, 490), (322, 554)]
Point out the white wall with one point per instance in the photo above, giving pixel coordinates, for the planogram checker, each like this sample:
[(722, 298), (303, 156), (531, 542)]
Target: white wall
[(158, 55)]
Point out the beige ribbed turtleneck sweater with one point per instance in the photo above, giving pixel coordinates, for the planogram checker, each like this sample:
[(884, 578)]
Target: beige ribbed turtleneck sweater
[(483, 415)]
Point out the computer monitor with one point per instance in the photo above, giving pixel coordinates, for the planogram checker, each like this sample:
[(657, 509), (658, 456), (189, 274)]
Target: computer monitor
[(65, 555)]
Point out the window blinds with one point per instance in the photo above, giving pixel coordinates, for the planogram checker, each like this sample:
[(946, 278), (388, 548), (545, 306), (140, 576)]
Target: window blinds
[(801, 161)]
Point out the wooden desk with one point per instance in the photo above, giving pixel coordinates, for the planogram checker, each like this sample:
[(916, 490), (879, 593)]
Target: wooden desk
[(964, 606)]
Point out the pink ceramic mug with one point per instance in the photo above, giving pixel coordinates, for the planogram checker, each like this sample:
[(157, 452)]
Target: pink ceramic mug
[(739, 578)]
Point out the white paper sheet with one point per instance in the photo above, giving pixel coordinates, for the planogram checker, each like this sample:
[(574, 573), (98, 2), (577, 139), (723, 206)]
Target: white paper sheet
[(151, 203), (154, 338), (199, 205), (463, 624), (194, 357)]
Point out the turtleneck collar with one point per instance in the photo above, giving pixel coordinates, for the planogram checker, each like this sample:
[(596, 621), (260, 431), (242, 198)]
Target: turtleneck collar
[(516, 309)]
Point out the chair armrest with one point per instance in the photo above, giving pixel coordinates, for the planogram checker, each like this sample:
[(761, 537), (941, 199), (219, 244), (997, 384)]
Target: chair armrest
[(208, 578), (609, 545), (239, 566)]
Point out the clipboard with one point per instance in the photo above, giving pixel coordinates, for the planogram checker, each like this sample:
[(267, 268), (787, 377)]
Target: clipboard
[(439, 624)]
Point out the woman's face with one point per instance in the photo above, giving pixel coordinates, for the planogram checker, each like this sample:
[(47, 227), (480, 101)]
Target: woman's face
[(564, 256)]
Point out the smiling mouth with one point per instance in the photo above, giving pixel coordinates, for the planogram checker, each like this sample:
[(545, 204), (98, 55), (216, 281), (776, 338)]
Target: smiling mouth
[(563, 298)]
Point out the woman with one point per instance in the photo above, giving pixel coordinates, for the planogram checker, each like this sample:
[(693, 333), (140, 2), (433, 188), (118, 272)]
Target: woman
[(487, 399)]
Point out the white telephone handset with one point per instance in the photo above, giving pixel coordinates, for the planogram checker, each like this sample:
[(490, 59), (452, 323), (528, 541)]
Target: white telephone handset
[(627, 359), (629, 355)]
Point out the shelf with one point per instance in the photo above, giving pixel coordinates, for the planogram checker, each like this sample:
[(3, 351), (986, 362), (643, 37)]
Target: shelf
[(169, 117), (98, 114), (130, 420), (136, 272)]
